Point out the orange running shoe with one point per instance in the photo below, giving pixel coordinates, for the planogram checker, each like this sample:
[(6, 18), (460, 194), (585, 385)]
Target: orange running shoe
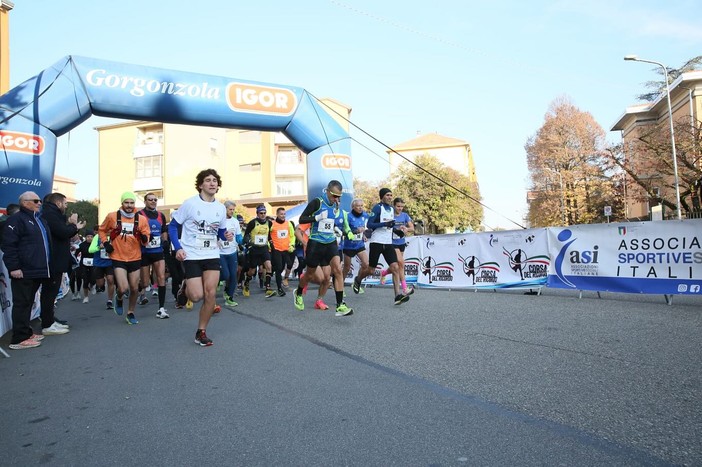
[(320, 305)]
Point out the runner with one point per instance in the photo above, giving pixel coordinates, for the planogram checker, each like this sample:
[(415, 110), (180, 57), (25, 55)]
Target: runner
[(152, 255), (381, 221), (102, 265), (282, 247), (357, 221), (122, 234), (202, 218), (403, 226), (257, 237), (322, 249), (228, 255), (86, 268)]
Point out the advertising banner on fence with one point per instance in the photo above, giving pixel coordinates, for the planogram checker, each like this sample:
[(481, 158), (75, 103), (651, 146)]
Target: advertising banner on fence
[(647, 257)]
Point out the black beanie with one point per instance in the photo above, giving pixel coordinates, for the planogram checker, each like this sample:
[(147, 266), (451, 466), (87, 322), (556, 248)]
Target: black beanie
[(384, 191)]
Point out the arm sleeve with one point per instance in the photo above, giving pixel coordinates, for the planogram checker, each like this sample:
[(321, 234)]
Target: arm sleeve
[(94, 247), (374, 218), (291, 232), (307, 216), (173, 234)]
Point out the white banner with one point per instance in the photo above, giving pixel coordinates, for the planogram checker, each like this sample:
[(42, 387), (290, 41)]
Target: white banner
[(645, 257)]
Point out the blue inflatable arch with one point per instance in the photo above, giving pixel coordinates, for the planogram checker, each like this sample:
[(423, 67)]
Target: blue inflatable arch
[(38, 111)]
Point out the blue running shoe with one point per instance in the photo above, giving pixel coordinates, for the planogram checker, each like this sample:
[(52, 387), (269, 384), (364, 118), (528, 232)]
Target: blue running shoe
[(119, 308), (131, 319)]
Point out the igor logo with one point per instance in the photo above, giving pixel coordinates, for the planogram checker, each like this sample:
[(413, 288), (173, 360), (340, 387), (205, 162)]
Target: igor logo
[(243, 97), (336, 161), (22, 142)]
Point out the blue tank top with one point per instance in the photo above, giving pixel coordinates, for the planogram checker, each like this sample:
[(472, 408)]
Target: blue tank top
[(322, 231)]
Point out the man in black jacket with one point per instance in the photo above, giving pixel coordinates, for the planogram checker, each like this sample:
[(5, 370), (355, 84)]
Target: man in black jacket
[(62, 231), (26, 248)]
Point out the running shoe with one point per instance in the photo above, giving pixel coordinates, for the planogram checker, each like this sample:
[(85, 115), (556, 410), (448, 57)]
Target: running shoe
[(109, 305), (25, 344), (161, 313), (131, 319), (383, 277), (189, 305), (269, 293), (154, 292), (409, 290), (230, 302), (281, 293), (285, 283), (299, 301), (119, 308), (400, 299), (142, 300), (86, 299), (246, 292), (217, 309), (37, 337), (320, 305), (343, 310), (356, 285), (201, 338)]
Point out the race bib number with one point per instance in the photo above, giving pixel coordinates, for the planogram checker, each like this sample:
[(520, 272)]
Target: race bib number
[(154, 242), (225, 244), (206, 242), (87, 261), (104, 254), (127, 228), (358, 237), (326, 226), (282, 234), (260, 240)]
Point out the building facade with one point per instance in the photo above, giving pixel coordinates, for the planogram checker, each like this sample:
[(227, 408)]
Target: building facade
[(256, 167), (686, 103), (452, 152)]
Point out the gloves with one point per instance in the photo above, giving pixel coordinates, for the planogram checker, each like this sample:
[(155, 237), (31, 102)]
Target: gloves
[(350, 235), (321, 215), (398, 233), (144, 238), (390, 223), (108, 247), (291, 248)]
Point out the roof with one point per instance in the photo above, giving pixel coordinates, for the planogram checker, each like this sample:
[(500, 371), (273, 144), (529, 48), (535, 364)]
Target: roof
[(59, 178), (430, 140)]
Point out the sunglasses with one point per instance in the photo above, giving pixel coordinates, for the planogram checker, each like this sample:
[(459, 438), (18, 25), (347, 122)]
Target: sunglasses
[(153, 199), (35, 201), (334, 195)]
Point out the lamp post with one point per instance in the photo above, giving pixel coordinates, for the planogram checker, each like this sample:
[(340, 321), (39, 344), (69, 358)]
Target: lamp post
[(560, 179), (635, 58)]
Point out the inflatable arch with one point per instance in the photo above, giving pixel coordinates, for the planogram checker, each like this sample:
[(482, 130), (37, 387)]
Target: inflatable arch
[(38, 111)]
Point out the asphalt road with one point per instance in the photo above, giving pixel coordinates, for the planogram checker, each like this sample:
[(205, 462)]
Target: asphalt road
[(450, 378)]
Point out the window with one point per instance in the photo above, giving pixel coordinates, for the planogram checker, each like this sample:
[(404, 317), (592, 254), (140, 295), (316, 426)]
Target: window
[(148, 167), (289, 156), (289, 188)]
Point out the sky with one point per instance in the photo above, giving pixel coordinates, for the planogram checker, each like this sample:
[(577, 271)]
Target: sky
[(482, 72)]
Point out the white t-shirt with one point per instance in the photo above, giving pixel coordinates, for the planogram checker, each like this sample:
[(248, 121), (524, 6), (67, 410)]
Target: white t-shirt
[(226, 247), (200, 221)]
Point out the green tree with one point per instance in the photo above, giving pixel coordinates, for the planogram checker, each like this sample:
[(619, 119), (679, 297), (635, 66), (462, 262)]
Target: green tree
[(368, 191), (571, 178), (440, 196), (86, 210)]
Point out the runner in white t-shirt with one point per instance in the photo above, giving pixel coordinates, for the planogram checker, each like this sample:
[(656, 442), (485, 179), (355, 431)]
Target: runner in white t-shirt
[(203, 222)]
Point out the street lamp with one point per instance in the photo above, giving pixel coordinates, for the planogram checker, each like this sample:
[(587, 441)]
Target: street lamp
[(635, 58), (560, 179)]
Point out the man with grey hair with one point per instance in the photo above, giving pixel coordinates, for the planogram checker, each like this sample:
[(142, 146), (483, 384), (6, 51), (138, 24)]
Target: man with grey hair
[(26, 246)]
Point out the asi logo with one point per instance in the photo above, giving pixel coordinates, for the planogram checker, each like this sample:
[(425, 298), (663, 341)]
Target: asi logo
[(15, 141), (437, 272), (268, 100), (582, 262), (336, 161), (479, 272), (430, 243), (528, 267)]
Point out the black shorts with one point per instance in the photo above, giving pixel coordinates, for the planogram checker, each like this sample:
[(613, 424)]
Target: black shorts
[(320, 254), (352, 253), (281, 260), (86, 273), (147, 259), (102, 271), (258, 256), (376, 249), (401, 247), (195, 267), (130, 266)]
